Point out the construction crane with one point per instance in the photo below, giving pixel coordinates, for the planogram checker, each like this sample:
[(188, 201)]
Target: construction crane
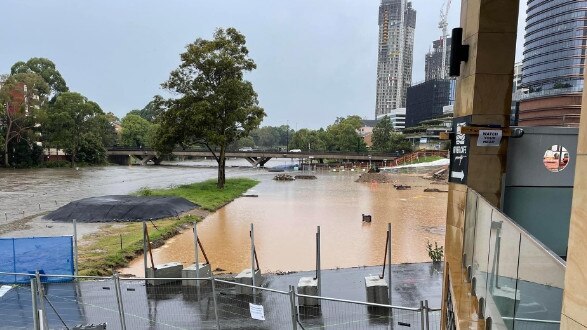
[(443, 26)]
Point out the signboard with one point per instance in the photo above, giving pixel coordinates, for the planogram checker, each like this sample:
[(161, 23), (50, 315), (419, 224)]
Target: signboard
[(459, 152), (489, 138), (423, 140), (257, 312), (4, 289)]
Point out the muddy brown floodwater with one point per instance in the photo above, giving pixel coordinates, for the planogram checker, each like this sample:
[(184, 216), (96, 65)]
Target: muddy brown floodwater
[(286, 214)]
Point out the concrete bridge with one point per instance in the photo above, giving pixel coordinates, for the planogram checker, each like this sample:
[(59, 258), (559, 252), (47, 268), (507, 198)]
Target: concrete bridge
[(256, 158)]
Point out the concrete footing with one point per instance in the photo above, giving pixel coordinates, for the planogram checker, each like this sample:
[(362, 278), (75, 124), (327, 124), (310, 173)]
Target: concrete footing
[(190, 272), (168, 270), (377, 290), (308, 286), (246, 277)]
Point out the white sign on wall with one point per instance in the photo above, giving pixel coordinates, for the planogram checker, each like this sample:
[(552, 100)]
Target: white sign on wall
[(257, 312), (4, 289), (489, 138)]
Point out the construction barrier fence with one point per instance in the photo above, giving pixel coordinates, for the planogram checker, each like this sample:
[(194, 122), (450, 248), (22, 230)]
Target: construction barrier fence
[(202, 303)]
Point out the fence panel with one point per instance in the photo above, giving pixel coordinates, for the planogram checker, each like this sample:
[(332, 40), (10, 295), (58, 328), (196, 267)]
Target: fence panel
[(168, 306), (16, 308), (235, 311), (339, 314), (434, 317), (81, 303), (48, 255)]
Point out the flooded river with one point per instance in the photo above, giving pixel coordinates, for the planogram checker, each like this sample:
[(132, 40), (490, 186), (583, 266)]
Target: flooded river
[(285, 214)]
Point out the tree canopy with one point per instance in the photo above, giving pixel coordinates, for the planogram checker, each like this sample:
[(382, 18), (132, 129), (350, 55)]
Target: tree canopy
[(215, 105), (22, 96), (385, 139), (44, 68), (79, 126), (136, 131), (152, 110)]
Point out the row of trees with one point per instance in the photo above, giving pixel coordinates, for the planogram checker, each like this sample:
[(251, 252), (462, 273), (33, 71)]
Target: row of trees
[(342, 135), (214, 106), (37, 109)]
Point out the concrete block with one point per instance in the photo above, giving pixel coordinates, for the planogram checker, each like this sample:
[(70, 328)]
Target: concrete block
[(190, 272), (246, 277), (168, 270), (308, 286), (377, 290)]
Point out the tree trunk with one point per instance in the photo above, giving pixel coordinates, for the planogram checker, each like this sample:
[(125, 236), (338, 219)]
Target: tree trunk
[(221, 168), (6, 143), (73, 157)]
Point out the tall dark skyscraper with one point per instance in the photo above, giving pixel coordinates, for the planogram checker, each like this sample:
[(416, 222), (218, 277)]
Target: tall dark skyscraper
[(433, 64), (397, 23)]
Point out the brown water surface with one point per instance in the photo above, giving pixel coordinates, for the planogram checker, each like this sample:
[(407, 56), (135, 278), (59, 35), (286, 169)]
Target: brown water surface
[(286, 214)]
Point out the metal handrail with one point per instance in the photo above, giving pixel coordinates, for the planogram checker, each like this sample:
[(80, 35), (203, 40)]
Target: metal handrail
[(251, 286), (359, 302), (530, 320)]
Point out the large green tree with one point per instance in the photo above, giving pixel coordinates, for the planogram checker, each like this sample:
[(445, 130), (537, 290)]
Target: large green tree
[(152, 110), (215, 105), (135, 131), (308, 140), (44, 68), (22, 96), (79, 126), (385, 139), (343, 135)]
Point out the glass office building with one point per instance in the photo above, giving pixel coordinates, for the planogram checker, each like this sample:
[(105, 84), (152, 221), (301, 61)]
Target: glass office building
[(554, 57), (554, 47)]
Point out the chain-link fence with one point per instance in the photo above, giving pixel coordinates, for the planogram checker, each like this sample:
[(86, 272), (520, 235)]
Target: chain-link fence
[(201, 303)]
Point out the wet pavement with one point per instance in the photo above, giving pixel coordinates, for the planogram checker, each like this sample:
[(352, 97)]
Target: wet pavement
[(172, 306)]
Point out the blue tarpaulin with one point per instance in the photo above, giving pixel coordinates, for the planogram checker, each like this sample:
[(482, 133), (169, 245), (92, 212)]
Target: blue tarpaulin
[(48, 255)]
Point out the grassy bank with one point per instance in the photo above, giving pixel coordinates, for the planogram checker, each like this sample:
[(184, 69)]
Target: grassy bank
[(205, 193), (116, 244)]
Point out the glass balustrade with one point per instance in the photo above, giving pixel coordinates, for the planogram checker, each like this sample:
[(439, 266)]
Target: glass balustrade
[(518, 281)]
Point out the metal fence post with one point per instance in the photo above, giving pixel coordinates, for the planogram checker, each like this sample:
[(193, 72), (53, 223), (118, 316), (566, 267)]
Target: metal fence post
[(292, 301), (119, 301), (43, 324), (34, 303), (422, 316), (75, 253), (215, 302), (426, 313)]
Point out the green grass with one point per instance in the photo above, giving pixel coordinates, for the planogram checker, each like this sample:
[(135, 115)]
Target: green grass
[(205, 194), (103, 254)]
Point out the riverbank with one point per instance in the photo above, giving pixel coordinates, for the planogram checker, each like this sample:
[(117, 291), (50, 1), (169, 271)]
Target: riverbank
[(115, 245), (103, 248)]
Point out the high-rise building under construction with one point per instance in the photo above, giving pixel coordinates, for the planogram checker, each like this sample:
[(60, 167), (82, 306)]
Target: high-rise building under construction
[(397, 23)]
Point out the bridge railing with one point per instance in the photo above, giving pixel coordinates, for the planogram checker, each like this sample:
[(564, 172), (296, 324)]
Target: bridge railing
[(273, 151)]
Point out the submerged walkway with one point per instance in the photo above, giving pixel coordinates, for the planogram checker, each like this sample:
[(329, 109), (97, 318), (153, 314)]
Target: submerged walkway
[(172, 307)]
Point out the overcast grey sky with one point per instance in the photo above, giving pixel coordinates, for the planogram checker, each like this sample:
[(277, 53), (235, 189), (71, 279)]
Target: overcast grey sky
[(316, 59)]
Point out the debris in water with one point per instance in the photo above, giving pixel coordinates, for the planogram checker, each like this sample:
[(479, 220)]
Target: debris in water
[(306, 177), (434, 190), (284, 177)]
